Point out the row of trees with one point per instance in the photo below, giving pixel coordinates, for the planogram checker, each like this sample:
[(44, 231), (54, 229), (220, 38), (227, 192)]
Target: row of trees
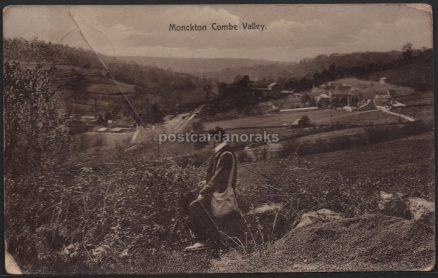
[(300, 73), (341, 70)]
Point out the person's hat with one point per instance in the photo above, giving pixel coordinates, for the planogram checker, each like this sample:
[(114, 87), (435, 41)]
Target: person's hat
[(218, 134)]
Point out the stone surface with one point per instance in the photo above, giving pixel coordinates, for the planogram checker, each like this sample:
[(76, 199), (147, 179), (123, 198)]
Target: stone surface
[(396, 204), (319, 216), (420, 208)]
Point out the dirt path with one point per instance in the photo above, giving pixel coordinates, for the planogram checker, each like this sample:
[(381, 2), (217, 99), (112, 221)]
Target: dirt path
[(384, 110)]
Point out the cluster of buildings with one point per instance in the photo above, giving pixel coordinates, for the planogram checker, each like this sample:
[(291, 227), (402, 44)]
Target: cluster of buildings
[(330, 96), (344, 96), (333, 96)]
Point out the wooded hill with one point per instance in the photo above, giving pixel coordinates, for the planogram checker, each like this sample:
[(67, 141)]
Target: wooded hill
[(82, 78), (409, 67)]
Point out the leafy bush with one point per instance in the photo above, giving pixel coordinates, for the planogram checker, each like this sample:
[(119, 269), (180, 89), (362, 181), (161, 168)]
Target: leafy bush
[(304, 120), (32, 125), (196, 159), (34, 142)]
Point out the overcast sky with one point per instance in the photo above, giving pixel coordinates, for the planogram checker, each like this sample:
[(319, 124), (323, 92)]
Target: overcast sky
[(292, 32)]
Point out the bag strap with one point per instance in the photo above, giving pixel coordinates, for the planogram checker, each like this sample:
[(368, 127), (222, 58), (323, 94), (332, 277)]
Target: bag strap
[(231, 176)]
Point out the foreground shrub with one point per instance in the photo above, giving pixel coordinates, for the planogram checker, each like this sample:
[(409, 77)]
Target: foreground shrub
[(34, 142), (32, 125)]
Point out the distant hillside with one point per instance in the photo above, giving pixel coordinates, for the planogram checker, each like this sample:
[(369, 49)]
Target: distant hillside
[(89, 91), (83, 81), (194, 65), (308, 66), (415, 71)]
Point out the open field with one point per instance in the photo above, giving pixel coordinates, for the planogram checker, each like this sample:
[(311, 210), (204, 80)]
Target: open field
[(325, 123), (417, 98), (327, 116), (425, 113)]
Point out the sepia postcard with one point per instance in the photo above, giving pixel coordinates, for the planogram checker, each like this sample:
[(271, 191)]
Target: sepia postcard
[(148, 139)]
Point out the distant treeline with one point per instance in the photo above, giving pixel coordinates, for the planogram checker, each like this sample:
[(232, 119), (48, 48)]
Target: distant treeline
[(408, 67)]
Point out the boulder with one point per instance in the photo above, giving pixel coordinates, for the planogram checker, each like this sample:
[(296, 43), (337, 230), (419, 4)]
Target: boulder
[(319, 216), (420, 208), (399, 205)]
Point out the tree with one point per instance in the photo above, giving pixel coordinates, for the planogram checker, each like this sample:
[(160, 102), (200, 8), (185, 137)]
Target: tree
[(306, 98), (407, 51), (317, 79), (305, 120), (243, 91), (34, 136), (223, 90)]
